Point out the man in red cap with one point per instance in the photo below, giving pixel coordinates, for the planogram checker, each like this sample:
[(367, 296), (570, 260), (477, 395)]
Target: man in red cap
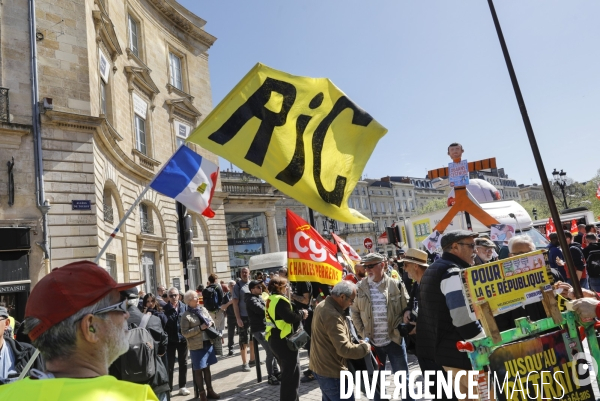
[(77, 318)]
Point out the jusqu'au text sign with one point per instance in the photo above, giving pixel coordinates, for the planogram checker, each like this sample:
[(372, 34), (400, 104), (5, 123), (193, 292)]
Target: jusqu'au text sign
[(508, 283)]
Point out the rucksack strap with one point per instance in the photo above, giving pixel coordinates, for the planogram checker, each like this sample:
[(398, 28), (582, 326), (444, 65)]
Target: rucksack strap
[(144, 321)]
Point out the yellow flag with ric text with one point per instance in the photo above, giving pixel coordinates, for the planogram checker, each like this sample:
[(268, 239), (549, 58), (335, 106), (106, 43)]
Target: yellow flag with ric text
[(302, 135)]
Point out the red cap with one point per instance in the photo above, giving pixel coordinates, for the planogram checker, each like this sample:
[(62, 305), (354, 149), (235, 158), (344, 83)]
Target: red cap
[(351, 277), (67, 290)]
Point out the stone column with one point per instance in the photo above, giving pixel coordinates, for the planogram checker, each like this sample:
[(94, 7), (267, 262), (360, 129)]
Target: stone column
[(272, 231)]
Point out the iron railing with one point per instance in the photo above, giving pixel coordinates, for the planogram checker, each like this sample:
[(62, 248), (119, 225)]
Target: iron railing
[(147, 227), (108, 214), (4, 109)]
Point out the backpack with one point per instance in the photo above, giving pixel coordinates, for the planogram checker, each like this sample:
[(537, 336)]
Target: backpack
[(593, 264), (210, 297), (138, 364)]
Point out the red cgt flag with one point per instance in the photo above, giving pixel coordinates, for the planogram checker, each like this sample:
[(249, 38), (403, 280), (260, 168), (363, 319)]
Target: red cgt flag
[(598, 191), (550, 228), (310, 256), (574, 229)]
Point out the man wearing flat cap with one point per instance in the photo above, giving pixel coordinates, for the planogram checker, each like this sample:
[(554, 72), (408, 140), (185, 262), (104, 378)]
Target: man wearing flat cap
[(77, 318), (443, 315), (377, 312), (484, 249)]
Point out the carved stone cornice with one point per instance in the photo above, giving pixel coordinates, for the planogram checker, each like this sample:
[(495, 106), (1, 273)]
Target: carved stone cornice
[(184, 20), (104, 134), (172, 89), (11, 134), (140, 76), (184, 107), (105, 32)]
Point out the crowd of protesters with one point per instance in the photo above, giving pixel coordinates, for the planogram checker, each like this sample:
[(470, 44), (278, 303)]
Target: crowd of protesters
[(79, 323)]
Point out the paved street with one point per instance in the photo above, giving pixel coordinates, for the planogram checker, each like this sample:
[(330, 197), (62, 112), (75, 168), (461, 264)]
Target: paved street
[(231, 383)]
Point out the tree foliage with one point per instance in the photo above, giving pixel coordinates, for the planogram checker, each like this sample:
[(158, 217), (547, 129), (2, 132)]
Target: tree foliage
[(432, 206)]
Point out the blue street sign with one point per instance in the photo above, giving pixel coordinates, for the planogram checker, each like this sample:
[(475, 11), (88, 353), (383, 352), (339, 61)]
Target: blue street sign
[(81, 205)]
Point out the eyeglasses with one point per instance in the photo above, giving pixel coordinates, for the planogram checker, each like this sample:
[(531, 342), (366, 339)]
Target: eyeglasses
[(120, 307), (371, 265), (173, 295), (472, 246)]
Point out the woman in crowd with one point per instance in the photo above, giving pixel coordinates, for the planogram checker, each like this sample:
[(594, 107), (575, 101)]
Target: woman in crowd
[(151, 305), (286, 321), (194, 322)]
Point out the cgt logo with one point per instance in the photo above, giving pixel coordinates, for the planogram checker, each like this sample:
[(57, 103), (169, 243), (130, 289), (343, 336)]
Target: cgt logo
[(580, 369), (305, 244)]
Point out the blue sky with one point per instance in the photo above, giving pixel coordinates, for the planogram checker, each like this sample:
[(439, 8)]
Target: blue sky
[(432, 72)]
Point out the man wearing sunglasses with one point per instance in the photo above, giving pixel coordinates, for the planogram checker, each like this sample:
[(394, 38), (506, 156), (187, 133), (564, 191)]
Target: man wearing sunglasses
[(77, 318), (377, 312), (177, 342), (443, 315)]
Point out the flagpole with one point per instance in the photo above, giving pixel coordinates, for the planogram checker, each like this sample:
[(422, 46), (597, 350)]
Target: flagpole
[(537, 156), (116, 230)]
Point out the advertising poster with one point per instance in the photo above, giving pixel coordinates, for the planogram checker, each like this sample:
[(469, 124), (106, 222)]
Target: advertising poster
[(242, 249), (508, 283), (541, 368), (458, 174)]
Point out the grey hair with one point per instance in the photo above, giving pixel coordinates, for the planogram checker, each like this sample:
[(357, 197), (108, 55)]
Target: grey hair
[(231, 282), (189, 295), (520, 239), (343, 288), (174, 288), (59, 341)]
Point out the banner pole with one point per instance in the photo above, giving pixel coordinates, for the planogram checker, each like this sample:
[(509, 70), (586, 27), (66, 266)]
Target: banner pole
[(116, 230), (536, 155)]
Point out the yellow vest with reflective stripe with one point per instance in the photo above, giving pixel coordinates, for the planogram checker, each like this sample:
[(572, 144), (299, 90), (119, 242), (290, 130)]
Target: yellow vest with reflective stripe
[(282, 325)]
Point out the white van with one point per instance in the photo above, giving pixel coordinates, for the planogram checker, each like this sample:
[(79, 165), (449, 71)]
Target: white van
[(268, 262), (506, 212)]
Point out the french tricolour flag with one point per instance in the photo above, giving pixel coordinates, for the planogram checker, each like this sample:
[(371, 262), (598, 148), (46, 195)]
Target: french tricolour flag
[(189, 179)]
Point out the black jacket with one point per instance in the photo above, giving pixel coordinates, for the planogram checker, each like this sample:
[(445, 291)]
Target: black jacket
[(255, 306), (22, 353), (435, 329), (160, 381), (173, 326)]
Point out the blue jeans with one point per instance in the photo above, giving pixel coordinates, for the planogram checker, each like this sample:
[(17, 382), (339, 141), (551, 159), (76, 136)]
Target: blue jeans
[(594, 283), (582, 282), (397, 355), (330, 388)]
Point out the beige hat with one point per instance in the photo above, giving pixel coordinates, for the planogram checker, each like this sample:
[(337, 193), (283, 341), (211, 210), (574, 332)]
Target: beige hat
[(415, 256), (481, 241)]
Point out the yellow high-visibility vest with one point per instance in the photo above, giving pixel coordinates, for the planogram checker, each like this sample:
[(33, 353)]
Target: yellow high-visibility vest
[(282, 325)]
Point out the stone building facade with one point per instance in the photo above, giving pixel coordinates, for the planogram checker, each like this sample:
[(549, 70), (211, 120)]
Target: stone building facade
[(122, 84)]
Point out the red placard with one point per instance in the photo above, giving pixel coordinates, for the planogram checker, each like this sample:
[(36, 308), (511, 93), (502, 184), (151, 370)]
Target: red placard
[(368, 243)]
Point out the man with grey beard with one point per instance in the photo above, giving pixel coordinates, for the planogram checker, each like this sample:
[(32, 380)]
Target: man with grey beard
[(77, 318)]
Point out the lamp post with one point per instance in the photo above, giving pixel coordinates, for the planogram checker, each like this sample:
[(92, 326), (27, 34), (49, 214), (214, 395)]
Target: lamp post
[(534, 211), (559, 180)]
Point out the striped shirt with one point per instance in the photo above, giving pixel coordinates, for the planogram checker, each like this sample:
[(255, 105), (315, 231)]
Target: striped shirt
[(451, 287), (380, 322)]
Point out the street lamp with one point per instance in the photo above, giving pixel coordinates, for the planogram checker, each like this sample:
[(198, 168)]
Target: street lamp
[(534, 211), (559, 180), (329, 226)]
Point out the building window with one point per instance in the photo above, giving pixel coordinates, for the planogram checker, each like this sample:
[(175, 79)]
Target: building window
[(140, 134), (175, 64), (412, 205), (365, 203), (398, 206), (390, 207), (364, 192), (409, 192), (374, 206), (351, 203), (403, 193), (405, 206), (102, 97), (108, 209), (111, 265), (146, 224), (382, 207), (134, 36)]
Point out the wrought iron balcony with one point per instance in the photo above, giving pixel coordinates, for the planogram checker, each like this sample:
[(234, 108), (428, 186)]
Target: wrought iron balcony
[(108, 214), (4, 109), (147, 227)]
